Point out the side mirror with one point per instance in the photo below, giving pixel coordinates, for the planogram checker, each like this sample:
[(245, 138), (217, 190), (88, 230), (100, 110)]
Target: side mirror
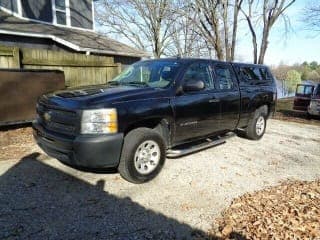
[(193, 85)]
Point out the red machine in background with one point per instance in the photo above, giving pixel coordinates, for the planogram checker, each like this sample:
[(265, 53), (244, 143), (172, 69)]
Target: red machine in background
[(303, 96), (314, 107)]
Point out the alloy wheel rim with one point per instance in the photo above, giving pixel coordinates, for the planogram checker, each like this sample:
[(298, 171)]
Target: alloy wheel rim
[(260, 125), (147, 157)]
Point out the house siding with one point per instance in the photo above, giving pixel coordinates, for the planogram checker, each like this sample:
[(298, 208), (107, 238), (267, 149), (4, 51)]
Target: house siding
[(10, 5), (81, 13), (37, 9), (41, 10)]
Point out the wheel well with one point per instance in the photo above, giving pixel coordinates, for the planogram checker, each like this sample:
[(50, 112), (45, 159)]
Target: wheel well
[(265, 108), (162, 126)]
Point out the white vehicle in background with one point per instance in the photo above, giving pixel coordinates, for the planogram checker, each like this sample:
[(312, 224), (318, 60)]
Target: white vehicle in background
[(314, 106)]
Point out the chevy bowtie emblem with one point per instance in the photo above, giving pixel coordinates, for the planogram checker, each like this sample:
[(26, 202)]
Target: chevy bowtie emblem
[(47, 116)]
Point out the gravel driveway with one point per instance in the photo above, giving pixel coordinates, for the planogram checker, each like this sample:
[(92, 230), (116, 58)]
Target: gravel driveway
[(42, 199)]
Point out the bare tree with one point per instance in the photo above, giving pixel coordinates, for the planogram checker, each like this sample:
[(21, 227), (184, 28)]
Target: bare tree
[(144, 23), (209, 23), (184, 38), (271, 11), (312, 16), (249, 18), (216, 25), (191, 27), (236, 9), (225, 13)]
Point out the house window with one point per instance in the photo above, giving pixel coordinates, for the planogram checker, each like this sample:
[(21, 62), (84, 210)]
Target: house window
[(61, 12)]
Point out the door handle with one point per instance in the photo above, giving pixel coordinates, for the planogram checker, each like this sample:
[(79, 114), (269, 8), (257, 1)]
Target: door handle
[(214, 100)]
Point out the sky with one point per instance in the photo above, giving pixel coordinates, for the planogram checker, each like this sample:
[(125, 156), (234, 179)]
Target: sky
[(297, 46)]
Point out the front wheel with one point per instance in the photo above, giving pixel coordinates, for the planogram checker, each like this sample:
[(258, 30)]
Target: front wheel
[(143, 155), (257, 125), (309, 116)]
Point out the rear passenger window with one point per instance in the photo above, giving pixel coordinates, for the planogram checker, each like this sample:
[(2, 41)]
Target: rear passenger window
[(223, 77)]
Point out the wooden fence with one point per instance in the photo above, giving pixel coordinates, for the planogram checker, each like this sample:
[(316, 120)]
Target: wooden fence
[(9, 57), (79, 69)]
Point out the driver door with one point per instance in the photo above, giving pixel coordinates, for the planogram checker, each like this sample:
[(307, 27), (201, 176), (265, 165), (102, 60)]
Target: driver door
[(197, 113)]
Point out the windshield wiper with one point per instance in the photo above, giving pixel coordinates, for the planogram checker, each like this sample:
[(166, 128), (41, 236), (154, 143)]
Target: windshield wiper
[(114, 83)]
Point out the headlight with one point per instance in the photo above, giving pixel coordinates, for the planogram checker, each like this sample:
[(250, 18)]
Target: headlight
[(99, 121)]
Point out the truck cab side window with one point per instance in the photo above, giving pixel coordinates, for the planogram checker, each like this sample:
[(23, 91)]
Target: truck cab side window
[(223, 78), (199, 71)]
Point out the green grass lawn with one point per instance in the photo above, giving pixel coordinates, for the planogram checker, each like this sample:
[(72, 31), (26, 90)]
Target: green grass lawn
[(285, 112), (284, 104)]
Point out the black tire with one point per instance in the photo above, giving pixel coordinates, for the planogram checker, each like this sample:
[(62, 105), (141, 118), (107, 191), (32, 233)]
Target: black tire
[(252, 132), (309, 116), (132, 141)]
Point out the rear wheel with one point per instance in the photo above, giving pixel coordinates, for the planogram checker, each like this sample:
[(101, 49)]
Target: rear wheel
[(143, 155), (257, 125)]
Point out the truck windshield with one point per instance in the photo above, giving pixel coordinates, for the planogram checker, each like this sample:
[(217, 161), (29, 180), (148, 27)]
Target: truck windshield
[(305, 90), (158, 74)]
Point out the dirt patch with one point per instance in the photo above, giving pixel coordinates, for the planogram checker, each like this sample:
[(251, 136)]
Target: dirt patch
[(16, 142), (288, 211)]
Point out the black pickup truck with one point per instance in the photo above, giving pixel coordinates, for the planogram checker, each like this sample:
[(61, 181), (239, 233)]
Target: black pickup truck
[(153, 110)]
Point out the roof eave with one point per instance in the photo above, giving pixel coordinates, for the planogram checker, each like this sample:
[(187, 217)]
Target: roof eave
[(72, 45), (92, 50)]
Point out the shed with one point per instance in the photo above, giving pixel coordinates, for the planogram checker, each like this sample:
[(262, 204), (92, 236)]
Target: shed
[(60, 34)]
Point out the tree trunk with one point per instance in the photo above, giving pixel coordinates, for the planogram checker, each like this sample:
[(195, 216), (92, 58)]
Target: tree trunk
[(234, 30), (226, 30), (254, 40), (236, 9), (217, 42), (255, 49), (264, 46)]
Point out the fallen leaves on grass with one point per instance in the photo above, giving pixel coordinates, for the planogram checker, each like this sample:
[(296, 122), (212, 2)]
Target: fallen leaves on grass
[(288, 211)]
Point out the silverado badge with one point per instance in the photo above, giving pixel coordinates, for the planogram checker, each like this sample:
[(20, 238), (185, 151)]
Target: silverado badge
[(47, 116)]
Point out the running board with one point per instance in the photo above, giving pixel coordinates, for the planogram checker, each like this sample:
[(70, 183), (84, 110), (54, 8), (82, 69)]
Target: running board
[(192, 147)]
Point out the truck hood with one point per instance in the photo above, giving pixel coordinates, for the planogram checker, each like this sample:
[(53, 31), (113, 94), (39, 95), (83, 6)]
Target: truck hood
[(101, 96)]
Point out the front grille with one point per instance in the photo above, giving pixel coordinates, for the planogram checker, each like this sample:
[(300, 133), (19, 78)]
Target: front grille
[(58, 120)]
